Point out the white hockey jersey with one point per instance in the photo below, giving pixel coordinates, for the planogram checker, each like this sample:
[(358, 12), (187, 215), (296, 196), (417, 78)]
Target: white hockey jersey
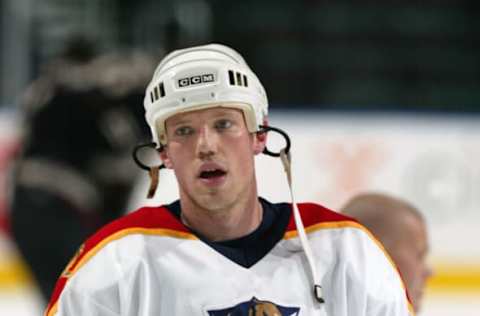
[(148, 263)]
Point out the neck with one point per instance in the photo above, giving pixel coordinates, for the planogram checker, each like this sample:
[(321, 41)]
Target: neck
[(231, 222)]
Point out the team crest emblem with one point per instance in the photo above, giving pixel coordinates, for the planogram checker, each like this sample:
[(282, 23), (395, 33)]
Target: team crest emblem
[(256, 307)]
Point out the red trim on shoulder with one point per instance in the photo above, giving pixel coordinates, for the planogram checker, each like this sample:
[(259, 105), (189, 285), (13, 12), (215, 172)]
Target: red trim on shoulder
[(312, 214), (146, 217)]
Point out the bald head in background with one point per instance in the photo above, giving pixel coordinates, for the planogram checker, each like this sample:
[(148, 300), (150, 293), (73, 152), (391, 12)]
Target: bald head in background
[(402, 230)]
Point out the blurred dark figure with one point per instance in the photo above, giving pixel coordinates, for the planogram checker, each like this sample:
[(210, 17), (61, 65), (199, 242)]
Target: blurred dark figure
[(402, 230), (75, 172)]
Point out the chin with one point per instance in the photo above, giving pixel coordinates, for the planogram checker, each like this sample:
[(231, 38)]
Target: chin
[(215, 202)]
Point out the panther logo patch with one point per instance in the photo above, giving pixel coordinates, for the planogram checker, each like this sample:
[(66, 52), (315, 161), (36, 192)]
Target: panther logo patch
[(256, 307)]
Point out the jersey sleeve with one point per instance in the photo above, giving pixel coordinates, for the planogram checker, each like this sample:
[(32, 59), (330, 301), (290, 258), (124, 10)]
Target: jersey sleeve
[(102, 278), (77, 303), (90, 287), (360, 277)]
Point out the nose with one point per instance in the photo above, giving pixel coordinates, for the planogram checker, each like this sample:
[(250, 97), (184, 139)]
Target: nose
[(206, 143)]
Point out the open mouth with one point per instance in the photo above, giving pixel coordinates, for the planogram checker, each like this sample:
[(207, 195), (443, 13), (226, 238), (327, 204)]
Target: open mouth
[(210, 174)]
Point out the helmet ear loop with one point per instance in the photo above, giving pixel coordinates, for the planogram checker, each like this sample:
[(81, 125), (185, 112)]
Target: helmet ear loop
[(286, 149), (153, 171)]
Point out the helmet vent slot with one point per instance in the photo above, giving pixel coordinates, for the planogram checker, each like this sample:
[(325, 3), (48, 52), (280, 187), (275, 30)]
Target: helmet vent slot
[(158, 90), (231, 77), (237, 79), (162, 90)]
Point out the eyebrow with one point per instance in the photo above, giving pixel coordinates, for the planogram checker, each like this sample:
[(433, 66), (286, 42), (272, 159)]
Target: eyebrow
[(227, 113), (180, 122), (177, 121)]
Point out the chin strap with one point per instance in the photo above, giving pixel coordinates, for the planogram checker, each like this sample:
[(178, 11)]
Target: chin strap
[(153, 171), (154, 174), (317, 289)]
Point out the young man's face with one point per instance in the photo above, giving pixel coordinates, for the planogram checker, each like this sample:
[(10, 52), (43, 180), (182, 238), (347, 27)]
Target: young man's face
[(212, 154)]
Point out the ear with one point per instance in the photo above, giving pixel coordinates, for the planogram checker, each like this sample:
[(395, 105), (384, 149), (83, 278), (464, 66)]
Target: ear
[(259, 143), (165, 158), (260, 140)]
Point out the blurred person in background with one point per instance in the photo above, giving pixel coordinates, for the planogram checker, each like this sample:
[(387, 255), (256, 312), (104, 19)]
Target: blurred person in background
[(402, 230), (81, 120)]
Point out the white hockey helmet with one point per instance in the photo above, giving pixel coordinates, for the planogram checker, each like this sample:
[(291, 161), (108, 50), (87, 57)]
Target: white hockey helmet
[(203, 77)]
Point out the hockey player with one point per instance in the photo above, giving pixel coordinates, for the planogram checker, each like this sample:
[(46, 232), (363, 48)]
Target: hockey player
[(402, 230), (221, 249)]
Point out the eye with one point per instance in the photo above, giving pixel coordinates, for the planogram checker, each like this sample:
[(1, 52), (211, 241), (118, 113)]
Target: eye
[(183, 131), (223, 124)]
